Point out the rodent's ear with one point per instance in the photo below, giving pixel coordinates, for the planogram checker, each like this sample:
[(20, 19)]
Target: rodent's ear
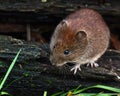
[(64, 23), (81, 35)]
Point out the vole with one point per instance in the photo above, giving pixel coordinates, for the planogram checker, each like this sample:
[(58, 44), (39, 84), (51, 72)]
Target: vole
[(81, 38)]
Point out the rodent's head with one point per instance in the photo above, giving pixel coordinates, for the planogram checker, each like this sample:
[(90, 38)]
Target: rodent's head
[(67, 44)]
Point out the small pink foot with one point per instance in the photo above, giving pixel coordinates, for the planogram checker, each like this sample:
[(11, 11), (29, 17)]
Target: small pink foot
[(92, 64), (75, 68)]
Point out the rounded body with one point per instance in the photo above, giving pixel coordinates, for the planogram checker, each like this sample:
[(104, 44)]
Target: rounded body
[(80, 38)]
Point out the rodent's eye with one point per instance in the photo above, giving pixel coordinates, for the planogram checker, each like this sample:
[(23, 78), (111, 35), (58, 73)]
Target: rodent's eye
[(67, 51), (54, 47)]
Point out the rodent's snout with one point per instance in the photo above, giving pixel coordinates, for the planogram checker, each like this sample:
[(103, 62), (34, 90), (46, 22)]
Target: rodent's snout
[(52, 61), (56, 62)]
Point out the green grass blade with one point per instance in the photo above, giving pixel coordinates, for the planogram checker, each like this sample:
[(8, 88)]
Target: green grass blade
[(12, 82), (77, 88), (45, 93), (9, 70), (99, 86), (4, 94), (81, 90), (107, 88), (95, 94)]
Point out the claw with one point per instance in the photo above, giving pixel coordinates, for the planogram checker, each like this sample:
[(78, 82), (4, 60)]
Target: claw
[(92, 64), (75, 68)]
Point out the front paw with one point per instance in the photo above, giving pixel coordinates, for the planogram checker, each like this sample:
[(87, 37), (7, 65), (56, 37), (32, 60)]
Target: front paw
[(75, 68)]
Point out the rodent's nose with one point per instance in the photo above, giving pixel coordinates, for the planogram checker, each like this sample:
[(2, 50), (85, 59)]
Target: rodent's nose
[(52, 61)]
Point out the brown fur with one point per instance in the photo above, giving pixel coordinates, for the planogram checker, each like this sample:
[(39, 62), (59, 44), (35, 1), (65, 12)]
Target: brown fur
[(88, 46)]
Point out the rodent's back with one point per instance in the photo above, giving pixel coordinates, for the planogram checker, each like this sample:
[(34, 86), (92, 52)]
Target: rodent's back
[(92, 23), (87, 19)]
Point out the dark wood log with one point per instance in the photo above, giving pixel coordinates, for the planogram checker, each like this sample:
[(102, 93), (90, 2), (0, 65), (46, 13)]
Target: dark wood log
[(56, 5), (33, 73), (44, 16), (26, 11)]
